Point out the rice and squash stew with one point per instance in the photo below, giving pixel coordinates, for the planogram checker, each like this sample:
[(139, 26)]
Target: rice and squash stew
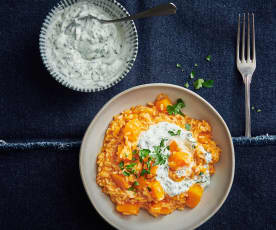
[(156, 158)]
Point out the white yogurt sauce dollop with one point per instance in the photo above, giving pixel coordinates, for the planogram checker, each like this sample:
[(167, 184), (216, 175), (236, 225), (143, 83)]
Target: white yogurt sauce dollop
[(84, 51), (153, 136)]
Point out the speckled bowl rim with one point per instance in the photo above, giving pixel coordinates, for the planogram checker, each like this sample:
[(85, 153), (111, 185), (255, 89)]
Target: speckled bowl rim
[(85, 138), (56, 75)]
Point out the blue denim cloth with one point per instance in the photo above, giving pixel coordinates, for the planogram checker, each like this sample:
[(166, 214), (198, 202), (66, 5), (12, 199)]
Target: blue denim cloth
[(43, 122)]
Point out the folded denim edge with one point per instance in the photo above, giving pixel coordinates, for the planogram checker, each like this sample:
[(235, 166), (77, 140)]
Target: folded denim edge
[(70, 145), (40, 145)]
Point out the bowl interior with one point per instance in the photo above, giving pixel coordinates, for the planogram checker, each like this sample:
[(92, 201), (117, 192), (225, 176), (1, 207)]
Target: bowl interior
[(196, 107)]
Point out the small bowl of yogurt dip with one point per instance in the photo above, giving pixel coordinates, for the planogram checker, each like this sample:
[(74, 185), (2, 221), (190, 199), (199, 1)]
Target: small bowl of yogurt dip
[(84, 54)]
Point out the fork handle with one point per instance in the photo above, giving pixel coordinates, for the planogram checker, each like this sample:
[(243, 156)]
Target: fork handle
[(247, 81)]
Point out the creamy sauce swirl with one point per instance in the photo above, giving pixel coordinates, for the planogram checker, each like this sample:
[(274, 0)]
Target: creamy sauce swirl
[(153, 136)]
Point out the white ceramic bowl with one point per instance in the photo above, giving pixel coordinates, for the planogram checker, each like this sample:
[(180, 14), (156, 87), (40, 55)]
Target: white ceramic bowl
[(115, 10), (196, 107)]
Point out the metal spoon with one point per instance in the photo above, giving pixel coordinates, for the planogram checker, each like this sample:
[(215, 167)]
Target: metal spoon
[(160, 10)]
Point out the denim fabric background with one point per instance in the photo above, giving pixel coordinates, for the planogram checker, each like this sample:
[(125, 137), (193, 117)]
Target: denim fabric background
[(41, 189)]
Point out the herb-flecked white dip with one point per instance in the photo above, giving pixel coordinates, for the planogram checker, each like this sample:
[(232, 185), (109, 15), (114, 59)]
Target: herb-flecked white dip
[(86, 52), (162, 131)]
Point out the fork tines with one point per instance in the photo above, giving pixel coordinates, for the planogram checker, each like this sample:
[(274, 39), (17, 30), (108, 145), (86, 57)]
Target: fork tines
[(249, 57)]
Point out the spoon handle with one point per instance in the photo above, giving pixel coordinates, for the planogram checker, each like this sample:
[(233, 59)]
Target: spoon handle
[(161, 10)]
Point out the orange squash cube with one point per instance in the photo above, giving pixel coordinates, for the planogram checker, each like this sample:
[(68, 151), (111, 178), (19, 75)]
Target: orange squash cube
[(153, 171), (162, 102), (157, 192), (132, 129), (194, 195), (173, 147), (178, 160), (142, 183), (128, 209), (120, 181), (159, 209)]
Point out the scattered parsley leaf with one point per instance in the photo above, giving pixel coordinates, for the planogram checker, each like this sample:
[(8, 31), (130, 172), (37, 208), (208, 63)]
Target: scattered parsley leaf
[(259, 110), (201, 173), (178, 132), (126, 173), (178, 65), (192, 74), (121, 165), (208, 84), (168, 147), (186, 85), (198, 83), (188, 127), (252, 107), (196, 65), (208, 58)]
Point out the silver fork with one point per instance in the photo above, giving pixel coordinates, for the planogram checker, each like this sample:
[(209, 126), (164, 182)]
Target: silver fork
[(246, 66)]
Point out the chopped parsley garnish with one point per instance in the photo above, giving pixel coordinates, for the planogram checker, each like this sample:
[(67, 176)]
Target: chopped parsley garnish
[(160, 158), (259, 110), (136, 183), (121, 165), (208, 58), (186, 85), (188, 127), (162, 143), (157, 149), (144, 171), (126, 173), (208, 84), (192, 74), (130, 166), (176, 108), (172, 133), (168, 147), (252, 107), (196, 65), (198, 83), (131, 189), (201, 173), (143, 154), (134, 151), (148, 165)]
